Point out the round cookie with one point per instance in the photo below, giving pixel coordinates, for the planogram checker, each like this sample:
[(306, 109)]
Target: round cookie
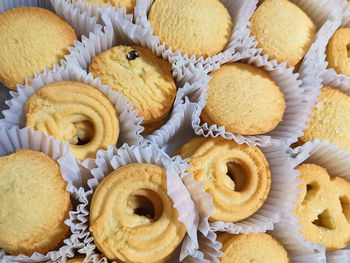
[(274, 25), (251, 247), (196, 27), (30, 39), (74, 112), (139, 75), (34, 203), (330, 119), (244, 99), (337, 51), (132, 218), (128, 4), (323, 207), (237, 176), (77, 260), (151, 127)]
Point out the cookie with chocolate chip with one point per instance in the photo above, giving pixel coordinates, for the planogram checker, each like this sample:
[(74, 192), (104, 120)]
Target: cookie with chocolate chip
[(139, 75)]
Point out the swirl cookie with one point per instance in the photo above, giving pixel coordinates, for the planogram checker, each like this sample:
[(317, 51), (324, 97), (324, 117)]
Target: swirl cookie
[(132, 218), (338, 51), (139, 75), (74, 112), (273, 24), (251, 247), (128, 4), (324, 207), (30, 39), (237, 176), (201, 28), (34, 203), (330, 119), (244, 99)]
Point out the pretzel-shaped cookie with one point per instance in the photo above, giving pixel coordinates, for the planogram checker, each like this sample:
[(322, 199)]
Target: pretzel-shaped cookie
[(324, 207)]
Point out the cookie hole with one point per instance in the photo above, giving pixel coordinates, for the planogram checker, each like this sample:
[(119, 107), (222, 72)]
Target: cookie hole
[(325, 220), (345, 205), (348, 49), (238, 175), (142, 203), (84, 132), (311, 191)]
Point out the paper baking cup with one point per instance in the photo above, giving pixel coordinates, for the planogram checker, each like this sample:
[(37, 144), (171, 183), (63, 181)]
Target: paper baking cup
[(129, 128), (240, 11), (295, 116), (177, 177), (337, 163), (15, 138)]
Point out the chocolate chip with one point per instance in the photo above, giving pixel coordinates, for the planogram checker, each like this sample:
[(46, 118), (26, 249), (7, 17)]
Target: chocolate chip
[(132, 55)]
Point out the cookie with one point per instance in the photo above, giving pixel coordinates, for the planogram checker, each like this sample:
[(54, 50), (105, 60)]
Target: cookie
[(77, 260), (128, 4), (330, 119), (237, 176), (245, 248), (30, 39), (201, 28), (323, 207), (74, 112), (244, 99), (139, 75), (282, 30), (337, 52), (151, 127), (34, 203), (132, 218)]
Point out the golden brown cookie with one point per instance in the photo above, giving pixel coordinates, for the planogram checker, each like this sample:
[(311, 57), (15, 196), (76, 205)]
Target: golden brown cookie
[(338, 51), (330, 119), (77, 260), (132, 218), (237, 176), (151, 127), (324, 207), (201, 28), (282, 30), (30, 39), (74, 112), (128, 4), (34, 203), (244, 99), (139, 75), (246, 248)]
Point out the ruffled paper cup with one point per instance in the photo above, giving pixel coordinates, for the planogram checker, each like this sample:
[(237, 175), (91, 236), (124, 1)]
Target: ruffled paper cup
[(16, 138), (240, 12), (337, 163), (116, 32), (177, 183), (129, 124), (295, 115)]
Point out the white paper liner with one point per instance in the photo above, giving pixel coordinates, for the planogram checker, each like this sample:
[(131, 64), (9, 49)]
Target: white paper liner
[(295, 116), (15, 138), (240, 11), (337, 163), (129, 124), (177, 177)]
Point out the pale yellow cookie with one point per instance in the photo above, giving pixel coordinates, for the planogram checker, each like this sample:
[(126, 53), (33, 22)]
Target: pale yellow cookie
[(244, 99), (132, 218), (247, 248), (324, 207), (197, 27), (330, 119), (338, 51), (237, 176), (282, 30), (128, 4), (74, 112), (139, 75), (34, 203), (30, 39)]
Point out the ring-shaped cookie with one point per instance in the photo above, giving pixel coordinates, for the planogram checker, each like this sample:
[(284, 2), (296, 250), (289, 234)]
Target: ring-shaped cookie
[(237, 176), (132, 218), (75, 112)]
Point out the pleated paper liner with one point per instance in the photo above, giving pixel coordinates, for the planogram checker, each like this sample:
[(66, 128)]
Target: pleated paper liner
[(337, 163), (119, 31), (15, 138), (129, 128), (179, 185)]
